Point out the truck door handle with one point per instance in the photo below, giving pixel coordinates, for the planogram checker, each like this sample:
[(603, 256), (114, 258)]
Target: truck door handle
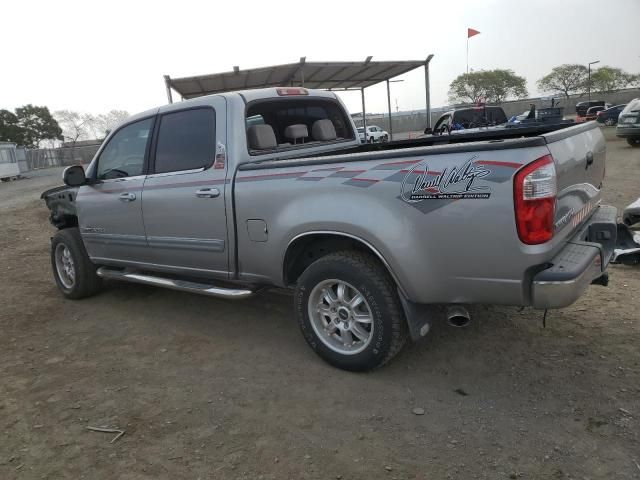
[(127, 197), (208, 193), (589, 158)]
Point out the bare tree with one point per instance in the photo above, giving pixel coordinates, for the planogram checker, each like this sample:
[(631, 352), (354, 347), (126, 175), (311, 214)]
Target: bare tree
[(75, 125), (106, 122)]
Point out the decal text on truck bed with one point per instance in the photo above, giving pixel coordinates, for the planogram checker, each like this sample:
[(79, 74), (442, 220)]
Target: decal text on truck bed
[(451, 184)]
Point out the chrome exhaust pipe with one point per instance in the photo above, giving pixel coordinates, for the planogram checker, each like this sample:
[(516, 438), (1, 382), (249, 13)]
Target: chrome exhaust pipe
[(458, 316)]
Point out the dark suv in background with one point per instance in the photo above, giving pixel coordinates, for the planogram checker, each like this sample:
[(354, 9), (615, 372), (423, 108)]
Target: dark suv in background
[(582, 107), (610, 116), (629, 123)]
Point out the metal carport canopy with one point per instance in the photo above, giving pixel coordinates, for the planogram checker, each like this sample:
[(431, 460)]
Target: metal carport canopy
[(320, 75)]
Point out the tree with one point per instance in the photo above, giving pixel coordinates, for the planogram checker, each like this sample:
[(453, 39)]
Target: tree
[(494, 86), (566, 79), (75, 125), (37, 125), (10, 130), (610, 79), (109, 121), (29, 126), (502, 84), (84, 126)]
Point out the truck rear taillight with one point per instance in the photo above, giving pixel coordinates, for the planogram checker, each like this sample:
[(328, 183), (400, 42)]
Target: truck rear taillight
[(535, 200), (289, 91)]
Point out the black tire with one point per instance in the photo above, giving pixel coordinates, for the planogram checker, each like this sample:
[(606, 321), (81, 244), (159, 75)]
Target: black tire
[(85, 282), (371, 140), (610, 122), (634, 142), (370, 278)]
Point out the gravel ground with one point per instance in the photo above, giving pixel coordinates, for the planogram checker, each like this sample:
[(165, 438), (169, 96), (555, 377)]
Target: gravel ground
[(209, 389)]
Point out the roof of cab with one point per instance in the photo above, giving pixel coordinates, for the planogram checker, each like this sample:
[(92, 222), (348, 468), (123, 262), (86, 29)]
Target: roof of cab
[(246, 95)]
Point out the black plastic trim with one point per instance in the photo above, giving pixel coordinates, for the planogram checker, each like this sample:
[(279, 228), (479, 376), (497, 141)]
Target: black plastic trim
[(570, 132)]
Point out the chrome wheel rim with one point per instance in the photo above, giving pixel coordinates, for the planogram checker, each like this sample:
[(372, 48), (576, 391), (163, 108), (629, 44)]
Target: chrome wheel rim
[(64, 265), (340, 316)]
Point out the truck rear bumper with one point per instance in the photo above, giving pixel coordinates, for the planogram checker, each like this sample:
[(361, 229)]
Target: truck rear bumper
[(582, 260), (627, 132)]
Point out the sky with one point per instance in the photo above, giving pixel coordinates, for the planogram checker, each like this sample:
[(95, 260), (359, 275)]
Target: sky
[(97, 56)]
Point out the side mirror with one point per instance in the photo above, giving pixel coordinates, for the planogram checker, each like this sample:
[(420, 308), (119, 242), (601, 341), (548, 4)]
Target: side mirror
[(74, 176), (428, 131)]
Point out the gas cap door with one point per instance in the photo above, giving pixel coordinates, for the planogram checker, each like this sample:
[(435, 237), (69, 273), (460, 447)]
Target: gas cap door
[(257, 230)]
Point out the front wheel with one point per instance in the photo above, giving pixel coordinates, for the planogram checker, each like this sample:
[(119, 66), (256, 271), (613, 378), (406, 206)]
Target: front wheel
[(73, 271), (349, 312), (634, 142)]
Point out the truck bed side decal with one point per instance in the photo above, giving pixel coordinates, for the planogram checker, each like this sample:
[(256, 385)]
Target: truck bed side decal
[(403, 171)]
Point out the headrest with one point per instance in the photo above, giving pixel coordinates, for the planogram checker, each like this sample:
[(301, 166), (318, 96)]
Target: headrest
[(294, 132), (261, 137), (323, 130)]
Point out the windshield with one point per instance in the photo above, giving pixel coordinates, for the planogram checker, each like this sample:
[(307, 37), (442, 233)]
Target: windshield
[(634, 106), (360, 130)]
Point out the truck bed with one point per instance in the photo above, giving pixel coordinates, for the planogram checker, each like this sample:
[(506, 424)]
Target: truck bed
[(486, 139)]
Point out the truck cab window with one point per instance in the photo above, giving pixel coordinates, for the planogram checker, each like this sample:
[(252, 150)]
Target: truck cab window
[(291, 123), (186, 140), (124, 155)]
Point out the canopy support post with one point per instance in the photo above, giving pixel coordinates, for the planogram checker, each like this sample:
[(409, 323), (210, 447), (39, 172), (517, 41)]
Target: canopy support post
[(364, 116), (427, 89), (389, 105), (167, 84)]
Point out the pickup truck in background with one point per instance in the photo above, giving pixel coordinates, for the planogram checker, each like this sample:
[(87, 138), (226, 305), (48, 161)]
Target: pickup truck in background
[(374, 239), (468, 118), (374, 134)]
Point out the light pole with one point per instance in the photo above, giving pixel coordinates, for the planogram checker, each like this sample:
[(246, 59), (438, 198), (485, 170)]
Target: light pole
[(389, 105), (589, 81)]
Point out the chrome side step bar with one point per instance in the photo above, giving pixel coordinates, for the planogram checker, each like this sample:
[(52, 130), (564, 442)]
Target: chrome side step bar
[(181, 285)]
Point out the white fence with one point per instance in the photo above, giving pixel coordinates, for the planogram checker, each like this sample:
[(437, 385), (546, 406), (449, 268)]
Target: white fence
[(60, 157)]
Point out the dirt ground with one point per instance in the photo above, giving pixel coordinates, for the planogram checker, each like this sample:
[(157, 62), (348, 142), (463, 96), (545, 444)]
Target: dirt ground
[(211, 389)]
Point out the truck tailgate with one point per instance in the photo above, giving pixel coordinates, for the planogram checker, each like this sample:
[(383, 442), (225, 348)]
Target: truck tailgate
[(579, 155)]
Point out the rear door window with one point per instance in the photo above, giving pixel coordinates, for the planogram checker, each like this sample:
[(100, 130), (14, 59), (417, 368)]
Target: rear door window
[(186, 140)]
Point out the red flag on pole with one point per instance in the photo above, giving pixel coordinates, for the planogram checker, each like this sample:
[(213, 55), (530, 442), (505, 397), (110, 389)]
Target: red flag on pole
[(471, 32)]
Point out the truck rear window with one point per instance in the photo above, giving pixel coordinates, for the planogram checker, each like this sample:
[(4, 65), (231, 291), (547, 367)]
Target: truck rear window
[(277, 124)]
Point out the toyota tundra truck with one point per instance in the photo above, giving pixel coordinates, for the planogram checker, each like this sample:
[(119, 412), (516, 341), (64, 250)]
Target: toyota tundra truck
[(237, 193)]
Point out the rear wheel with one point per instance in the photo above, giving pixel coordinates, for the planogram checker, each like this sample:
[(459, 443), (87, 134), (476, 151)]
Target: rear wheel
[(634, 142), (73, 272), (349, 312), (609, 122)]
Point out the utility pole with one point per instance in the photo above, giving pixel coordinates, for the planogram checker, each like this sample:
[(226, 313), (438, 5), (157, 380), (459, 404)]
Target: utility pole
[(589, 82), (389, 105)]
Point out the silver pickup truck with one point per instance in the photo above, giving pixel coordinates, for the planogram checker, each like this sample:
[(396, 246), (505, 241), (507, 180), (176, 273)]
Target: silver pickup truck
[(228, 194)]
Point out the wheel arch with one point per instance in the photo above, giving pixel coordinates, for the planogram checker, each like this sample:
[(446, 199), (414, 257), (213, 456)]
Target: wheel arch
[(305, 248)]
